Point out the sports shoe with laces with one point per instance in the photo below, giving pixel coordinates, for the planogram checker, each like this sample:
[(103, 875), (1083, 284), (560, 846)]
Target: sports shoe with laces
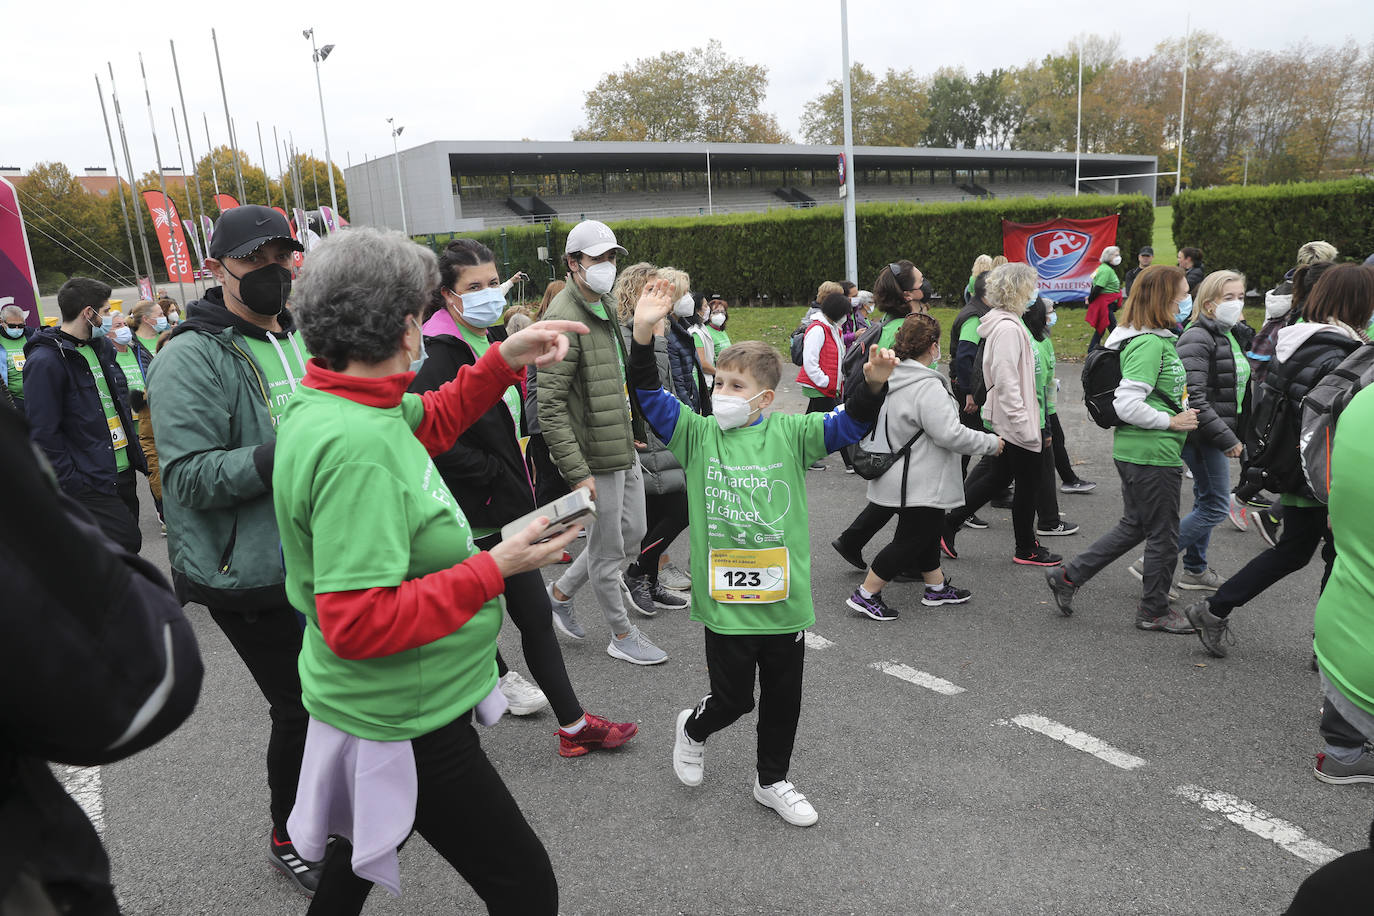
[(1038, 556), (522, 697), (1209, 580), (597, 734), (671, 577), (1329, 769), (1063, 528), (564, 617), (1238, 515), (873, 607), (689, 755), (1213, 631), (639, 593), (854, 558), (666, 600), (1062, 589), (636, 649), (934, 596), (281, 853), (790, 804), (1268, 526), (1078, 486), (1172, 622), (1137, 569), (975, 523)]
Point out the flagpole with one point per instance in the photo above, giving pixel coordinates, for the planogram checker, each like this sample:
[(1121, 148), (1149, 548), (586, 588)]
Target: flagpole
[(233, 141), (133, 183), (851, 242), (161, 178), (186, 188), (263, 153), (315, 177), (1078, 135), (190, 148), (119, 189), (1182, 105), (214, 173), (328, 159), (281, 173)]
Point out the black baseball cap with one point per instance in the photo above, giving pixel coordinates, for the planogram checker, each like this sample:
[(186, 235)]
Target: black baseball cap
[(243, 230), (1147, 251)]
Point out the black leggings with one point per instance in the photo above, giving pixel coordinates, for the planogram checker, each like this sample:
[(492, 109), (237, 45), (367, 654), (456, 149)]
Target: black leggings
[(1015, 463), (467, 814), (1047, 500), (667, 517), (1061, 452), (916, 545), (1303, 529), (548, 483), (527, 603), (824, 404)]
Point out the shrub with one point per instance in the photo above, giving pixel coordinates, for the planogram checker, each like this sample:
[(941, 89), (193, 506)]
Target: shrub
[(1258, 229)]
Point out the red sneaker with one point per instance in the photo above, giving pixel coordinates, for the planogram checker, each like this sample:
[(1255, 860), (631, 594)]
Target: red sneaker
[(565, 559), (598, 734)]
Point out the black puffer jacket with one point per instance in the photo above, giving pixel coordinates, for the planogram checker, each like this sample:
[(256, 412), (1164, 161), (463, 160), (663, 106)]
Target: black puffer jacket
[(1213, 392), (689, 384)]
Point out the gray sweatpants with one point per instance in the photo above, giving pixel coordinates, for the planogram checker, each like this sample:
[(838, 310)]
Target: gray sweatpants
[(611, 540), (1151, 498)]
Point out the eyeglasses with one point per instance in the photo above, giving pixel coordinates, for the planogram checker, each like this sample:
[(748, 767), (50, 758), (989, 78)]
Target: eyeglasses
[(14, 327)]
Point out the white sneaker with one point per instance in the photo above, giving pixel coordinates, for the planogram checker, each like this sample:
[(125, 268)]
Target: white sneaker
[(1138, 570), (1238, 514), (688, 755), (790, 804), (671, 576), (636, 649), (524, 698)]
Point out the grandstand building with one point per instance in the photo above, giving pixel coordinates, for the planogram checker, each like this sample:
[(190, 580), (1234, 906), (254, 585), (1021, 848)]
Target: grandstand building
[(471, 185)]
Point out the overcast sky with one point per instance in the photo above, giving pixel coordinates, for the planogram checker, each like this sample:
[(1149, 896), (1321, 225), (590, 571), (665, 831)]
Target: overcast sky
[(509, 70)]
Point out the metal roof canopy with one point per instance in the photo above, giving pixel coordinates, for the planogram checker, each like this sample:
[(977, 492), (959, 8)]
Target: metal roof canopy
[(524, 158)]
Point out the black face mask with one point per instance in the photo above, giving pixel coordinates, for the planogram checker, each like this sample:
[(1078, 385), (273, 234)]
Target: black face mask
[(266, 289)]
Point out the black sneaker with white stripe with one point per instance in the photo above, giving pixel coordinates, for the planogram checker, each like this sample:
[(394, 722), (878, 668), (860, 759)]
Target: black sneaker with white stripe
[(281, 852)]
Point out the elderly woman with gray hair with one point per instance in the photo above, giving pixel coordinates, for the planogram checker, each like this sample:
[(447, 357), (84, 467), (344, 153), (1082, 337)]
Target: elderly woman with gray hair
[(1012, 412), (1104, 297), (401, 609)]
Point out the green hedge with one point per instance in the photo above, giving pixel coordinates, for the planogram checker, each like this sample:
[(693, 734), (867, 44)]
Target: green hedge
[(1258, 229), (780, 257)]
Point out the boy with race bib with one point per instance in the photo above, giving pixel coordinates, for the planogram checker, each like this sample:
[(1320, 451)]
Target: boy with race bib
[(750, 539)]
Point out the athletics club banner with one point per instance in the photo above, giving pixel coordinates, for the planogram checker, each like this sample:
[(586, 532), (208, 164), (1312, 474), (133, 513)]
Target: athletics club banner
[(167, 225), (17, 283), (1064, 252)]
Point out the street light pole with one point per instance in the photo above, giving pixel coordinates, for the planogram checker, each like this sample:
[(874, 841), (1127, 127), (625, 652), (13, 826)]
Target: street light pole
[(319, 55), (396, 157), (851, 243)]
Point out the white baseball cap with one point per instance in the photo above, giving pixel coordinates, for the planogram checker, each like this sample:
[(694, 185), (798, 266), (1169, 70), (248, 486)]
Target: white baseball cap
[(592, 237)]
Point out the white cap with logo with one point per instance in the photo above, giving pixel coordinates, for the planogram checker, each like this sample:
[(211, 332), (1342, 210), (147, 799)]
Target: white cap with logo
[(592, 237)]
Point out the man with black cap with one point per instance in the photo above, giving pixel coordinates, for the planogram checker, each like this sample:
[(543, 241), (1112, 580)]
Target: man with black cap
[(217, 390), (1146, 257)]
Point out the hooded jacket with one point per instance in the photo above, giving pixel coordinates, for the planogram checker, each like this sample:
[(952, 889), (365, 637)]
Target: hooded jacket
[(215, 442), (1212, 383), (1012, 409), (919, 398), (65, 417)]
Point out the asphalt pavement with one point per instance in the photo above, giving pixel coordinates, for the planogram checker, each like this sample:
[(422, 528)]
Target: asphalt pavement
[(993, 757)]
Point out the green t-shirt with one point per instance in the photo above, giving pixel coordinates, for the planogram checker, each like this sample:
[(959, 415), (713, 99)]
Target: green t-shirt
[(722, 340), (282, 359), (128, 361), (14, 352), (339, 462), (1152, 359), (749, 520), (119, 436), (889, 333), (968, 332), (1043, 352), (1344, 622), (1106, 278), (1242, 372)]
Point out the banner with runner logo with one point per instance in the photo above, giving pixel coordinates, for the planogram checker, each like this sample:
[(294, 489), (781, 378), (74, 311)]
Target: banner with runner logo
[(1064, 252), (18, 285), (167, 225)]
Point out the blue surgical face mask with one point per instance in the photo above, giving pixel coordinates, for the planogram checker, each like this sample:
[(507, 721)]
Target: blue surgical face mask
[(161, 325), (415, 364), (14, 333), (482, 308), (100, 330), (1185, 308), (123, 335), (1050, 321)]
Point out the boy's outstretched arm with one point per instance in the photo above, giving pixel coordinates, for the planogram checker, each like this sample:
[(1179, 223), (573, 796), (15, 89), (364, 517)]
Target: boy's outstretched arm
[(852, 421), (660, 407)]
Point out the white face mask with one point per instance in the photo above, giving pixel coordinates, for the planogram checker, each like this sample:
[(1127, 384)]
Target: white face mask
[(599, 277), (683, 307), (1115, 261), (731, 411), (718, 319), (1229, 312)]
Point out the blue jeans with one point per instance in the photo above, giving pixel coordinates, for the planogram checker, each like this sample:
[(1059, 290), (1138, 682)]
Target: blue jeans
[(1211, 500)]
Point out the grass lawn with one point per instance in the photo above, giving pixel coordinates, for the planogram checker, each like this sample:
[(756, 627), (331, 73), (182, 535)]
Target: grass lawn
[(1165, 252), (1071, 333)]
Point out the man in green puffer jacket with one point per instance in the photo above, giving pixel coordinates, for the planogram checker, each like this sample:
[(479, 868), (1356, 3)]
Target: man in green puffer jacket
[(585, 413), (216, 391)]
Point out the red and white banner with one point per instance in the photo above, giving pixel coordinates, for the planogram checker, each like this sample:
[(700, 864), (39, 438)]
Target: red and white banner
[(1064, 252), (18, 285), (225, 202), (169, 235), (145, 289)]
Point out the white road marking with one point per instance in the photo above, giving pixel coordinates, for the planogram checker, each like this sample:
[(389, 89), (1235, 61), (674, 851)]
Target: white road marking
[(1261, 823), (817, 642), (83, 785), (919, 678), (1079, 740)]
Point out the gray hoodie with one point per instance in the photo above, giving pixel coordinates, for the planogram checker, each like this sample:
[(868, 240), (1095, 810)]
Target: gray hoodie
[(919, 397)]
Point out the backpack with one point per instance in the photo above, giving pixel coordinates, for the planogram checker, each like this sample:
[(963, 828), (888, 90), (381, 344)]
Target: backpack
[(1101, 376), (1321, 409), (975, 376), (798, 342), (852, 365)]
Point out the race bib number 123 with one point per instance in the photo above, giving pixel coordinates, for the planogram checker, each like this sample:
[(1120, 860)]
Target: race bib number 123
[(749, 576)]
